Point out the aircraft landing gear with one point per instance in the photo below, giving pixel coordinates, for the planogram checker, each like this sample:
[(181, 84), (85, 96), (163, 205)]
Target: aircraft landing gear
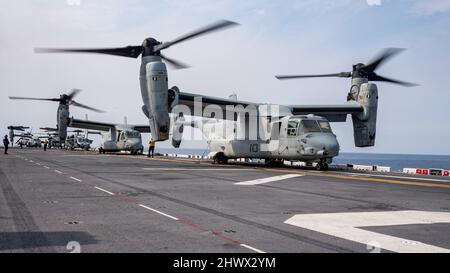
[(220, 158), (275, 163), (101, 150), (322, 166)]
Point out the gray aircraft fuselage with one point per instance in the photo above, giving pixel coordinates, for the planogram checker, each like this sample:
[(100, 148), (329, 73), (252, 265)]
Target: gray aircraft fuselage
[(122, 140), (305, 138)]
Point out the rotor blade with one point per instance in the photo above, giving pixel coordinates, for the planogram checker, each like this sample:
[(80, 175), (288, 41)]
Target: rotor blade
[(74, 103), (222, 24), (26, 98), (49, 129), (174, 63), (378, 78), (129, 51), (73, 93), (383, 57), (341, 75)]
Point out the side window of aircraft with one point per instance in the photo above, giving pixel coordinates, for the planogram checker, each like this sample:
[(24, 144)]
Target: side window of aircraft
[(309, 126), (325, 126), (122, 136), (292, 127), (154, 78)]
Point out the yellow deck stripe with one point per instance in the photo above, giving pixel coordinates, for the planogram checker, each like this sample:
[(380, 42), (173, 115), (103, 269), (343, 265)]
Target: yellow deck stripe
[(370, 179)]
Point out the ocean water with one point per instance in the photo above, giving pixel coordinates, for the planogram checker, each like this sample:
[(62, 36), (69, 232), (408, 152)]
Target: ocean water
[(396, 161)]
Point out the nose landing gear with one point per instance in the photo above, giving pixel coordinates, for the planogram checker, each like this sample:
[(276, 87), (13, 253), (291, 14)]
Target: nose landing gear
[(322, 166)]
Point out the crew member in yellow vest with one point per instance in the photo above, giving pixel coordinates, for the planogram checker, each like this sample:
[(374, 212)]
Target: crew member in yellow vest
[(151, 148), (45, 144)]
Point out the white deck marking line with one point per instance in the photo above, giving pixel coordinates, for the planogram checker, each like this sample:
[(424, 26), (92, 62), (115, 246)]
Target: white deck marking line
[(268, 179), (39, 164), (31, 161), (252, 248), (76, 179), (46, 167), (196, 169), (103, 190), (60, 172), (159, 212), (349, 226), (395, 176)]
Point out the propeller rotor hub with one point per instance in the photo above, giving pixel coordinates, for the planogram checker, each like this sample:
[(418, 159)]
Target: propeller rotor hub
[(148, 47)]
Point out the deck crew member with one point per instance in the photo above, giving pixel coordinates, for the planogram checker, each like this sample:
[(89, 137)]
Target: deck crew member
[(151, 148), (45, 144), (6, 144)]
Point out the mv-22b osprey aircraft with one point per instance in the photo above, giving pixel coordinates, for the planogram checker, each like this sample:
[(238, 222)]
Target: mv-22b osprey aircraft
[(12, 134), (62, 115), (115, 137), (238, 129)]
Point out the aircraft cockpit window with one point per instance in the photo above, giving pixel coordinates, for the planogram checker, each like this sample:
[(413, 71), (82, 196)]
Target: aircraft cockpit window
[(309, 126), (292, 127), (132, 134), (325, 126)]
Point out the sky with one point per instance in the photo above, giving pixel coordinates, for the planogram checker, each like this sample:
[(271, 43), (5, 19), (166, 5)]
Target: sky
[(275, 37)]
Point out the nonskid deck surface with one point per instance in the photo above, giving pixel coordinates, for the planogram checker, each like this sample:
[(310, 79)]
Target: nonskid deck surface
[(60, 201)]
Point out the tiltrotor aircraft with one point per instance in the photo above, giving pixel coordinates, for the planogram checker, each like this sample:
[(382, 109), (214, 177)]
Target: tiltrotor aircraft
[(299, 132), (29, 140), (12, 134), (62, 115), (79, 141), (239, 129), (115, 137), (156, 96)]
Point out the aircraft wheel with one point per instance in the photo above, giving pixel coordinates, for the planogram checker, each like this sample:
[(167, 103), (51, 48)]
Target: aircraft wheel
[(322, 166), (220, 158), (100, 150)]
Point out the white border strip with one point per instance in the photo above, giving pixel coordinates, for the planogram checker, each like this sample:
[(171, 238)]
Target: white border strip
[(76, 179), (103, 190), (159, 212), (252, 248), (268, 179)]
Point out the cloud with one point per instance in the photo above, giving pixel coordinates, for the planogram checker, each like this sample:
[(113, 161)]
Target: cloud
[(373, 2), (260, 12), (431, 7)]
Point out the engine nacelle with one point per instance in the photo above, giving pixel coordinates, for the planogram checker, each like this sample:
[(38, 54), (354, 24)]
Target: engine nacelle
[(365, 124), (156, 100), (11, 136), (173, 97), (63, 121), (178, 121)]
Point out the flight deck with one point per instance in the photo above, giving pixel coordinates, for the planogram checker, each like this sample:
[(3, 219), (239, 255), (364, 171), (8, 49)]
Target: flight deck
[(60, 201)]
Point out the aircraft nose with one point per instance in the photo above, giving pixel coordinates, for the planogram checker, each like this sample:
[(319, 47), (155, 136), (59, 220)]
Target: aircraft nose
[(324, 144), (133, 143), (333, 147)]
